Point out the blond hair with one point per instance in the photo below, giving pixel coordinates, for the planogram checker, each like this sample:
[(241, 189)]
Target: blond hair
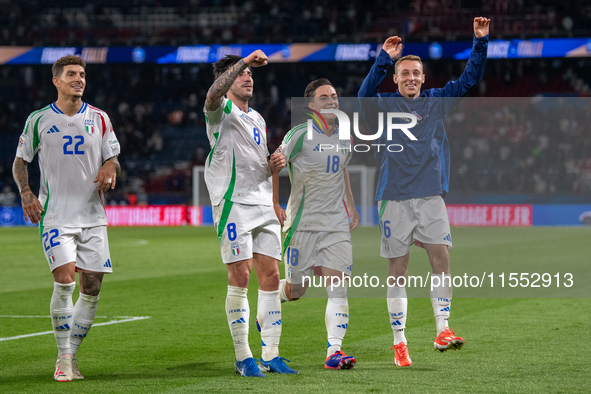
[(407, 57)]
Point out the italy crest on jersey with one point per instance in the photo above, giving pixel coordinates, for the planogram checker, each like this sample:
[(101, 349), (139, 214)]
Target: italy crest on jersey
[(235, 248), (51, 257), (89, 126), (344, 146)]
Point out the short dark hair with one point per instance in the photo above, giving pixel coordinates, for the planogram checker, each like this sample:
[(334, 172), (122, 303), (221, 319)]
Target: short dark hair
[(407, 57), (222, 65), (313, 86), (58, 67)]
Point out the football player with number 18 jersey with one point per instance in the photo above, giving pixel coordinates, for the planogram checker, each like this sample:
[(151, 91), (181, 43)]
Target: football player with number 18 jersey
[(320, 215)]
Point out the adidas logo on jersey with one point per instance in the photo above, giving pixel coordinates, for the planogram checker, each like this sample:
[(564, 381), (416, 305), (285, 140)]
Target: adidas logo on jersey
[(317, 148), (241, 320), (53, 129), (107, 264)]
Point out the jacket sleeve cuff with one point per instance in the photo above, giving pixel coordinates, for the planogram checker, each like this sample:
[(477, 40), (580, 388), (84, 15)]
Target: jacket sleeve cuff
[(384, 58)]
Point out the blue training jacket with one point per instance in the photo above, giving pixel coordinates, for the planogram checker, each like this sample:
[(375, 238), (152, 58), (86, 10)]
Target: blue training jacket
[(422, 168)]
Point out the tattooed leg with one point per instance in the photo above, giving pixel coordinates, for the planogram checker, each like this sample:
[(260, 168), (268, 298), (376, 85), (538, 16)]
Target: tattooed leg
[(90, 282)]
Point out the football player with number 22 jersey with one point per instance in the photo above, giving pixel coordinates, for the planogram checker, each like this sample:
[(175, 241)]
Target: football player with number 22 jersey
[(77, 151)]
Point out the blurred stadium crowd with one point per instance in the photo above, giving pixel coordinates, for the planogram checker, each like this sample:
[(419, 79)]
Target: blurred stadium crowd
[(180, 22), (157, 113)]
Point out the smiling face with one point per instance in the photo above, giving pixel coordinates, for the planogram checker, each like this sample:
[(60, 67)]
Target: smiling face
[(242, 88), (325, 97), (71, 82), (409, 77)]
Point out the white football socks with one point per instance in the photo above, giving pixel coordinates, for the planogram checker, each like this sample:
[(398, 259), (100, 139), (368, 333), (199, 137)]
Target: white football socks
[(336, 318), (282, 294), (269, 317), (441, 301), (84, 313), (62, 311), (397, 309), (237, 312)]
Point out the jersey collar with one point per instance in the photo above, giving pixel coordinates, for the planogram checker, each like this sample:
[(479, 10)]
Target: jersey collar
[(319, 130), (55, 109)]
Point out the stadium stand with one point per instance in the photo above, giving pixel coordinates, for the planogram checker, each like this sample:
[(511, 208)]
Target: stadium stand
[(173, 22), (157, 109)]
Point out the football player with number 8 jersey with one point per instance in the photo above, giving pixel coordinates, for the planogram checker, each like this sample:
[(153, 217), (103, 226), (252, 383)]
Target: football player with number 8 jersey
[(238, 174)]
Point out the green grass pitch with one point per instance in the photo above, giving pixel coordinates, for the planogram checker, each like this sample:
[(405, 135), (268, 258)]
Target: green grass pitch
[(175, 276)]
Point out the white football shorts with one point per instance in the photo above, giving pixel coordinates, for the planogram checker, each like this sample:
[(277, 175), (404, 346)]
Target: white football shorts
[(87, 247), (309, 249), (417, 219), (247, 229)]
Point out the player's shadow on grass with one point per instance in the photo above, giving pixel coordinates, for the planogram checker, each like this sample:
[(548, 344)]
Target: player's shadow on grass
[(203, 370), (192, 370), (390, 367)]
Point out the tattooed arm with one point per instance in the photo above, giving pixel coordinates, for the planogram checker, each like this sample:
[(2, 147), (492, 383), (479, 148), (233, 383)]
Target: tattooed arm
[(222, 84), (31, 206)]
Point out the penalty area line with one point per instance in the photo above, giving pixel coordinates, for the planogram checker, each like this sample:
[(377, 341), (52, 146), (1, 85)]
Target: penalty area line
[(94, 325)]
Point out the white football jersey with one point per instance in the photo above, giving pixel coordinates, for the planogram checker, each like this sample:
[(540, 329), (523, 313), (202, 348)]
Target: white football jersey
[(72, 150), (317, 199), (236, 169)]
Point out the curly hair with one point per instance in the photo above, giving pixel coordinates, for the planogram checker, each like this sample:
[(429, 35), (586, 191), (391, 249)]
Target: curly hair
[(222, 65)]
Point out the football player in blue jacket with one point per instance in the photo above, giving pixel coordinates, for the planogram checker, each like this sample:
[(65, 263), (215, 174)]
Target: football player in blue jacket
[(413, 182)]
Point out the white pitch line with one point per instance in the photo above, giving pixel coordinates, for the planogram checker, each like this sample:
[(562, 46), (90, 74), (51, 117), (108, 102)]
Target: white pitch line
[(94, 325), (49, 317)]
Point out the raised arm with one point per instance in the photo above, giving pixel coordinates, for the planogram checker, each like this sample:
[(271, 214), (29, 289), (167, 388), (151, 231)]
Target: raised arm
[(31, 206), (390, 50), (350, 202), (222, 84), (474, 70)]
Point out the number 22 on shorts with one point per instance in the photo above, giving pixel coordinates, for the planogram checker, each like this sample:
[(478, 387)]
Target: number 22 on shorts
[(54, 233)]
